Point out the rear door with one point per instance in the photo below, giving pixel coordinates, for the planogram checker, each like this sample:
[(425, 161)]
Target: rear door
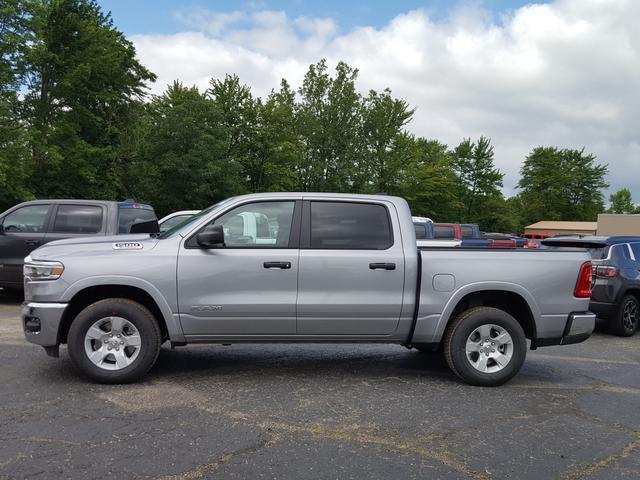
[(23, 230), (71, 220), (351, 269)]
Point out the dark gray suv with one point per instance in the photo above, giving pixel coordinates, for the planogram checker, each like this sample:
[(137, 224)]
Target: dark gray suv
[(28, 225), (615, 296)]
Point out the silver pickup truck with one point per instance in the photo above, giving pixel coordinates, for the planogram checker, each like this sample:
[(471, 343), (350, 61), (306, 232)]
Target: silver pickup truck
[(301, 267)]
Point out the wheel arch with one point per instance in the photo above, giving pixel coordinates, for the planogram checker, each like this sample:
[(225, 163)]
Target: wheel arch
[(82, 294), (511, 298)]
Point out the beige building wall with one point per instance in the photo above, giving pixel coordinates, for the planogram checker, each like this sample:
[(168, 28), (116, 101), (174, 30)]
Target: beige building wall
[(611, 224)]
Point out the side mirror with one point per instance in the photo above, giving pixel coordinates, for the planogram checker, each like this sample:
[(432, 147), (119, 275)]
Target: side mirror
[(212, 236)]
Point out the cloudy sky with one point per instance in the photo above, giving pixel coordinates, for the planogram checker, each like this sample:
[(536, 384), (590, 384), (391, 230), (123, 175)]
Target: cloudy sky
[(563, 73)]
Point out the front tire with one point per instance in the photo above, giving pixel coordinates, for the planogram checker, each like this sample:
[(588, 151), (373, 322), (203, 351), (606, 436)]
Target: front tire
[(625, 321), (115, 340), (485, 346)]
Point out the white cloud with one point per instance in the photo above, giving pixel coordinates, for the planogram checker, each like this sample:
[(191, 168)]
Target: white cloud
[(565, 73)]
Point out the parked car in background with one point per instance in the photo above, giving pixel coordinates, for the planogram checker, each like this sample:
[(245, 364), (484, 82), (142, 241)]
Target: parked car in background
[(470, 231), (28, 225), (321, 268), (615, 296), (174, 219), (447, 231), (423, 227)]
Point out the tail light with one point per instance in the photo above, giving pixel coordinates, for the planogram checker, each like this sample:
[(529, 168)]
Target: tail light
[(605, 272), (583, 285), (503, 244)]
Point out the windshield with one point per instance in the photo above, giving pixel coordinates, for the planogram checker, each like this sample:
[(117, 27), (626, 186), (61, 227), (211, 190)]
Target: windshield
[(192, 219)]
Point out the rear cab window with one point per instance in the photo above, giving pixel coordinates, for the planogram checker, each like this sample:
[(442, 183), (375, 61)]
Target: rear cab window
[(421, 231), (467, 232), (443, 232), (130, 214), (350, 226)]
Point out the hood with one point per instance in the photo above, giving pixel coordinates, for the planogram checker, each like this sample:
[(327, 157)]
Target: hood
[(99, 245)]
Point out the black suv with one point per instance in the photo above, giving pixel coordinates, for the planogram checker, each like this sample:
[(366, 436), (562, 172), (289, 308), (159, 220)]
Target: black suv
[(615, 296), (28, 225)]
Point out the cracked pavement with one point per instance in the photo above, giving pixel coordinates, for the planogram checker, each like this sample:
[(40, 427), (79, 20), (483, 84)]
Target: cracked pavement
[(320, 411)]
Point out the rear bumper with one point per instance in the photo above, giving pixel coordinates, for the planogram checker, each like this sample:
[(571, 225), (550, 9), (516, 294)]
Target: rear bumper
[(41, 322), (603, 310), (579, 326)]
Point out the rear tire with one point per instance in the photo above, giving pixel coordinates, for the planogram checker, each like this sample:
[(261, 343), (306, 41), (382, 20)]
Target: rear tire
[(625, 321), (485, 346), (115, 340)]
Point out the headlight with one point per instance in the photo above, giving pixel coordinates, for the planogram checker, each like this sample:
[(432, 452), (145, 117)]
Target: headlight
[(40, 270)]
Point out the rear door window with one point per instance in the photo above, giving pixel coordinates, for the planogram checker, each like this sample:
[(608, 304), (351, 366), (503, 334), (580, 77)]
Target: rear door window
[(350, 226), (79, 219)]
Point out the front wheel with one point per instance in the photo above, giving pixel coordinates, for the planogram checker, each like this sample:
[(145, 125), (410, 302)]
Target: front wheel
[(115, 340), (485, 346)]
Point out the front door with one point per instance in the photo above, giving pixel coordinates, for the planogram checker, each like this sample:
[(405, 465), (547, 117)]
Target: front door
[(249, 285), (351, 269), (23, 230)]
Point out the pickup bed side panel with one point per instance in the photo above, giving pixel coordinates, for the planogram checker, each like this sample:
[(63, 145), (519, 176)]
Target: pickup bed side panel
[(544, 279)]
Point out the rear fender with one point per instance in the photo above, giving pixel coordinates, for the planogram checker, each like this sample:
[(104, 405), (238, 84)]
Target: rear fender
[(431, 328)]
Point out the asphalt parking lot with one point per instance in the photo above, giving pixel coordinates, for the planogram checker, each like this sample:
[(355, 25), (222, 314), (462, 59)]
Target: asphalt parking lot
[(320, 411)]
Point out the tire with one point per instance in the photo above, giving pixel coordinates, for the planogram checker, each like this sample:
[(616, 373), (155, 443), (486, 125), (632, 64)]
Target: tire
[(123, 336), (625, 321), (475, 340)]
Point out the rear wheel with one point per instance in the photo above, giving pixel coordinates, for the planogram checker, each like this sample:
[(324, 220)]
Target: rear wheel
[(625, 321), (114, 341), (485, 346)]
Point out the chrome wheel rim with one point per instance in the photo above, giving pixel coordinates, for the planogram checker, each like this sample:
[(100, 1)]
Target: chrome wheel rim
[(630, 315), (489, 348), (112, 343)]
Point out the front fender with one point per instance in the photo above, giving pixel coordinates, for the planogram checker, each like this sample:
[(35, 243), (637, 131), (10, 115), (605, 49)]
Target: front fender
[(173, 324)]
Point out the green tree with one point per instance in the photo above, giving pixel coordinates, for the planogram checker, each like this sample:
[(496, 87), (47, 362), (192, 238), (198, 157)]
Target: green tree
[(480, 180), (182, 160), (383, 119), (239, 116), (427, 179), (82, 83), (278, 146), (329, 119), (14, 37), (561, 185), (621, 202)]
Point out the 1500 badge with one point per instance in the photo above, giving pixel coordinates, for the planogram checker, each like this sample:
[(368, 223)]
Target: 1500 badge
[(127, 246)]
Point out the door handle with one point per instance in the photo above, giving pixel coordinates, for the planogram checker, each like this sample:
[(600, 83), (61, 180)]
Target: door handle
[(382, 266), (283, 265), (32, 242)]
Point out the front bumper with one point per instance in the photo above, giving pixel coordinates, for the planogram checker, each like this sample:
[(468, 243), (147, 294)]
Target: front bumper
[(578, 327), (41, 322)]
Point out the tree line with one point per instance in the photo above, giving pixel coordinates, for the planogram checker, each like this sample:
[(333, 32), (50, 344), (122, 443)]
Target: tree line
[(76, 121)]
